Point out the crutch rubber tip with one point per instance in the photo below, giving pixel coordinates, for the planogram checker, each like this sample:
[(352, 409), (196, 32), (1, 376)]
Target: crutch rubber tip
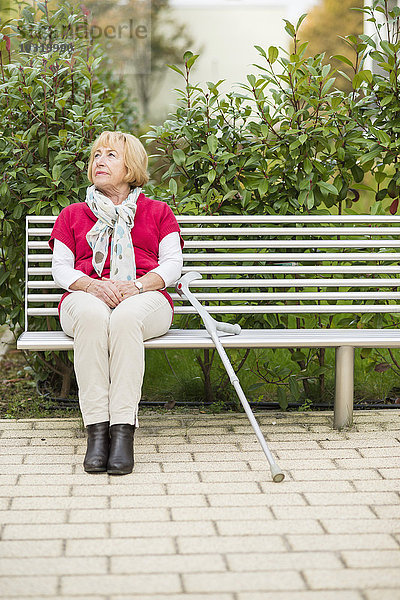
[(277, 474)]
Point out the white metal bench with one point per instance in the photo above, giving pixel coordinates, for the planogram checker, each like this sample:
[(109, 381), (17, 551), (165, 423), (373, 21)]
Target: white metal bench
[(258, 265)]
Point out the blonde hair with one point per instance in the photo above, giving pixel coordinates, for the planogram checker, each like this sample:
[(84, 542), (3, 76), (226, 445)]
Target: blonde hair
[(135, 156)]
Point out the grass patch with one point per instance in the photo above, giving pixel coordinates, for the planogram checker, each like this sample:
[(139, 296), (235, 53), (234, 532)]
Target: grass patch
[(175, 374)]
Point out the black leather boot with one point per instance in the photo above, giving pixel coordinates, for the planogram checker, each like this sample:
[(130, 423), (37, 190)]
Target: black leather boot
[(98, 443), (120, 460)]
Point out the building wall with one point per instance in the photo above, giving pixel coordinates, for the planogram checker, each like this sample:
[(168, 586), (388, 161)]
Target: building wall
[(225, 32)]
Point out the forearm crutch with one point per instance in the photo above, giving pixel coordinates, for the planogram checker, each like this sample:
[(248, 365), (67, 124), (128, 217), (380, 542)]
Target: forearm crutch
[(213, 326)]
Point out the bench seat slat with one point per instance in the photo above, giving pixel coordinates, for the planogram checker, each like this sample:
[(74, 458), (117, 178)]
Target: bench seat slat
[(248, 338)]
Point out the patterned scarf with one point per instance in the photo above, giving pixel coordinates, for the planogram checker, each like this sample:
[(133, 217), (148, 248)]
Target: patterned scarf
[(115, 220)]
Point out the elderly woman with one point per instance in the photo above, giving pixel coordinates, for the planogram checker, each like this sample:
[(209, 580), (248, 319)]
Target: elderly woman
[(115, 254)]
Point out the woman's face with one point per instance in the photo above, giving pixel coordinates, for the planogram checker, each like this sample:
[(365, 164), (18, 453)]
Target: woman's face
[(108, 168)]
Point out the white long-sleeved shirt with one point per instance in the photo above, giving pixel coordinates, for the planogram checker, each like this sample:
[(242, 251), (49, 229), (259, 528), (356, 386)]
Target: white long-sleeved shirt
[(169, 258)]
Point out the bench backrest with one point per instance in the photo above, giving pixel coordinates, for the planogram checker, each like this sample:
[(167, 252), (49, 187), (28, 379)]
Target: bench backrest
[(262, 264)]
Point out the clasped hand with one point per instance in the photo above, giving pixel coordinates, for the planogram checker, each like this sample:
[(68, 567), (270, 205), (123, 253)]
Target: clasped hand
[(112, 291)]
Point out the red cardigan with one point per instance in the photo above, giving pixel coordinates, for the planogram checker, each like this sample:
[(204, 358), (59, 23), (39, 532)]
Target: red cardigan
[(153, 221)]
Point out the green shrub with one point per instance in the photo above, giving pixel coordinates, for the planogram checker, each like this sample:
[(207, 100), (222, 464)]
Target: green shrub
[(55, 98), (283, 142), (288, 142)]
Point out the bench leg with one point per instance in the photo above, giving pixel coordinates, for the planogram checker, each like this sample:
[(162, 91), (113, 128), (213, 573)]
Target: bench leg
[(344, 388)]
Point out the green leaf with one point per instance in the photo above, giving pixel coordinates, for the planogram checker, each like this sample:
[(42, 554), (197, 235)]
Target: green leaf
[(357, 173), (343, 59), (282, 399), (173, 187), (211, 175), (362, 76), (327, 187), (192, 60), (307, 165), (294, 389), (212, 143), (63, 200), (56, 171), (17, 212), (43, 171), (3, 189), (261, 51), (28, 14), (297, 356), (387, 47), (43, 146), (336, 102), (381, 135), (357, 81), (301, 19), (327, 85), (294, 145), (4, 276), (364, 158), (179, 157), (380, 177), (187, 55), (229, 195), (273, 54), (263, 187), (289, 28)]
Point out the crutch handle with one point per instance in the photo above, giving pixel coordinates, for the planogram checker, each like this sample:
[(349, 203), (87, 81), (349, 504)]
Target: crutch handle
[(182, 287), (183, 283), (229, 328)]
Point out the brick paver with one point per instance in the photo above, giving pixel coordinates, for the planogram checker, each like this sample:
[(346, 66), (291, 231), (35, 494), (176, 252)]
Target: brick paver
[(200, 518)]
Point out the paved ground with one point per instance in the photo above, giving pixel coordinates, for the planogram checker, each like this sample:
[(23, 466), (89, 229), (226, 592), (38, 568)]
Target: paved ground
[(199, 518)]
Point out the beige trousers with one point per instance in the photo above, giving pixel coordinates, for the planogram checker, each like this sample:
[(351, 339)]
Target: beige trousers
[(109, 351)]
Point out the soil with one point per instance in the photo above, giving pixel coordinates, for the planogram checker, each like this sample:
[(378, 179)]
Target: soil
[(19, 397)]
